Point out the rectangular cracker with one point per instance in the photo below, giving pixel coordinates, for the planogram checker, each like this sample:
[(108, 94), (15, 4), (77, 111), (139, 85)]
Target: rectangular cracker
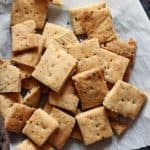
[(76, 16), (88, 63), (14, 121), (49, 68), (40, 126), (84, 49), (66, 125), (94, 125), (114, 65), (24, 42), (32, 97), (66, 98), (91, 88), (29, 10), (125, 100), (30, 58), (7, 100), (10, 78), (98, 24), (124, 48)]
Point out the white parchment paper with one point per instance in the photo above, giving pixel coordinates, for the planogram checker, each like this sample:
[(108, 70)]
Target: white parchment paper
[(130, 21)]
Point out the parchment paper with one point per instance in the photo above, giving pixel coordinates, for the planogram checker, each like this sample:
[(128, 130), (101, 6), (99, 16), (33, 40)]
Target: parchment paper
[(130, 21)]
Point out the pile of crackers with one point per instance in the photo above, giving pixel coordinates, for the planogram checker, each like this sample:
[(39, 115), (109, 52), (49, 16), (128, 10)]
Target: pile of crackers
[(89, 98)]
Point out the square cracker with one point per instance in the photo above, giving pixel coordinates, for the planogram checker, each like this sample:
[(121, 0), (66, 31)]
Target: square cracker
[(98, 24), (114, 65), (32, 57), (64, 39), (66, 98), (32, 97), (88, 63), (94, 125), (124, 48), (66, 125), (51, 71), (14, 121), (24, 42), (76, 16), (40, 126), (84, 49), (91, 88), (10, 78), (7, 100), (125, 100), (29, 10)]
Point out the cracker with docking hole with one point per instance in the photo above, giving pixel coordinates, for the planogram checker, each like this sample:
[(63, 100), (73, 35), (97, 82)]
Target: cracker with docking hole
[(32, 97), (64, 39), (49, 68), (124, 48), (66, 98), (7, 100), (91, 88), (94, 125), (125, 100), (14, 121), (29, 10), (98, 24), (40, 126), (88, 63), (32, 57), (84, 49), (77, 13), (10, 78), (24, 42), (66, 125)]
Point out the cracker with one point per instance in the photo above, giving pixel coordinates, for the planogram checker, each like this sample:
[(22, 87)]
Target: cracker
[(29, 10), (53, 30), (40, 126), (114, 65), (84, 49), (94, 125), (32, 57), (10, 78), (66, 98), (26, 145), (64, 39), (14, 121), (7, 100), (91, 88), (124, 48), (66, 125), (125, 100), (47, 146), (98, 24), (76, 133), (49, 68), (76, 16), (28, 26), (24, 42), (48, 107), (88, 63), (32, 98)]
